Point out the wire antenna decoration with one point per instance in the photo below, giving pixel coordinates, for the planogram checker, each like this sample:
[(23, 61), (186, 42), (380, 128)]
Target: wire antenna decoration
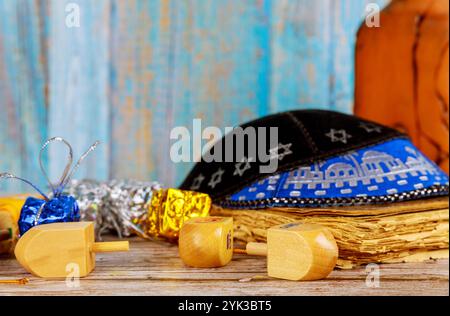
[(56, 207)]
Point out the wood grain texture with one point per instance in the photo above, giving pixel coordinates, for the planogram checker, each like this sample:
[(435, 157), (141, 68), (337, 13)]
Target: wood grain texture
[(79, 85), (300, 252), (140, 89), (346, 17), (312, 53), (301, 54), (206, 242), (154, 268), (134, 70), (400, 77), (23, 94), (432, 101), (46, 251), (221, 64)]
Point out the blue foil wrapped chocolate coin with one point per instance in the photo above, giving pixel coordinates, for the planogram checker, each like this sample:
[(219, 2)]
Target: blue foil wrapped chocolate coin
[(57, 207), (35, 211)]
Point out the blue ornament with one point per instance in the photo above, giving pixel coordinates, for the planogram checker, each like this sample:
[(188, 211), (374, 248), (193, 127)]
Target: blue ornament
[(35, 211), (57, 208)]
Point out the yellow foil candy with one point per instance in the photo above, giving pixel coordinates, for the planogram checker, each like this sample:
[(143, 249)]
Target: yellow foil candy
[(9, 215), (170, 208)]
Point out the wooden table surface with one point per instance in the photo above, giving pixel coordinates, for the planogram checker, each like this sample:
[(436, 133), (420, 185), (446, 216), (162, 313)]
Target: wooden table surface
[(154, 268)]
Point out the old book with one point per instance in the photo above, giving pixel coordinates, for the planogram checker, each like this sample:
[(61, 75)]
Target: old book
[(399, 232)]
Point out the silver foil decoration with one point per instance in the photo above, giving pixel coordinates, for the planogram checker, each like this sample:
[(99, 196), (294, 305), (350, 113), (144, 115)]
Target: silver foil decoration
[(114, 205)]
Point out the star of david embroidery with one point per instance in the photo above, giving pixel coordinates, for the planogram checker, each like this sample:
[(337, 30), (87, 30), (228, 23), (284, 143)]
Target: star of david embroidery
[(242, 166), (370, 128), (216, 178), (340, 135), (197, 182), (280, 151)]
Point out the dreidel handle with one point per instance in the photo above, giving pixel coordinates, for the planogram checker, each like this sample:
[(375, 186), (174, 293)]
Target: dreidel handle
[(253, 249), (256, 249), (110, 246)]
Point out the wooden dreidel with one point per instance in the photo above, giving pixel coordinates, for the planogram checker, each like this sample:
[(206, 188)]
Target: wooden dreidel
[(206, 242), (52, 250), (294, 251), (297, 251)]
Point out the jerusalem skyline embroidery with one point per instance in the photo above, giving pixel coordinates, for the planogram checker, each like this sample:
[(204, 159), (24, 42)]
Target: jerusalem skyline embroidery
[(389, 168)]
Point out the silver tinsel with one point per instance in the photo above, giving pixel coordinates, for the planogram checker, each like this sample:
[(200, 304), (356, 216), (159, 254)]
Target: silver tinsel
[(114, 205)]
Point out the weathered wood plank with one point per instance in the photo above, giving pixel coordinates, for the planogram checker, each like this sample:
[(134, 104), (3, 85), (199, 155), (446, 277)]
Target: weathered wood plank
[(154, 268), (23, 90), (140, 89), (301, 56), (346, 17), (133, 71), (313, 53), (79, 83), (212, 287), (221, 63)]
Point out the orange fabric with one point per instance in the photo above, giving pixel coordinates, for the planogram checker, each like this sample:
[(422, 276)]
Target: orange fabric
[(402, 74)]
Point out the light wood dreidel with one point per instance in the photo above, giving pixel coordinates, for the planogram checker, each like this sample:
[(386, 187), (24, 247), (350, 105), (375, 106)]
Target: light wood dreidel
[(294, 251), (297, 251), (52, 250), (206, 242)]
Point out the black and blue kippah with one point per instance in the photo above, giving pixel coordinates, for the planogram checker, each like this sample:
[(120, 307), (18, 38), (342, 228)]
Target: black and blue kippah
[(324, 159)]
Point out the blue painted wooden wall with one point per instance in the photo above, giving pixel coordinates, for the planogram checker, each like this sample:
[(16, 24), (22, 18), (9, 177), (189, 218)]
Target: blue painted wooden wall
[(135, 69)]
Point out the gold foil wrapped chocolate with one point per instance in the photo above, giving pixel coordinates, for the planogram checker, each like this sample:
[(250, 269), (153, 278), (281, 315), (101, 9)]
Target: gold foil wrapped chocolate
[(169, 209), (9, 215)]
